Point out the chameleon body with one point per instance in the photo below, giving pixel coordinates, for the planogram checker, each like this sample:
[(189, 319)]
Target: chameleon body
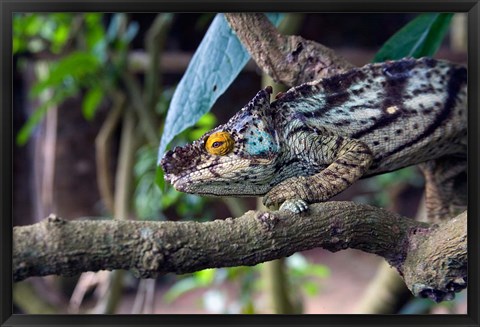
[(316, 139)]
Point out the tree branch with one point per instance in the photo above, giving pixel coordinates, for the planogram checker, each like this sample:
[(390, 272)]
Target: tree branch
[(57, 246), (290, 60), (445, 271)]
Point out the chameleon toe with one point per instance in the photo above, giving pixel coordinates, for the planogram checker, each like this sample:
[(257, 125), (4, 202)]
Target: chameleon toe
[(294, 205)]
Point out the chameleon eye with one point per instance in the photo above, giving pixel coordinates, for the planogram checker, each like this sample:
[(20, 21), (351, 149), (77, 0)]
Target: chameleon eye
[(220, 143)]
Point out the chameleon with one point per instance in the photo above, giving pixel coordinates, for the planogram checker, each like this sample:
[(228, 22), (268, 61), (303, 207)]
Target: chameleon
[(316, 139)]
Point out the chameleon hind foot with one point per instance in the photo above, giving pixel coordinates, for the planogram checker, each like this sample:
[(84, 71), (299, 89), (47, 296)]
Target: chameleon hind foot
[(294, 205)]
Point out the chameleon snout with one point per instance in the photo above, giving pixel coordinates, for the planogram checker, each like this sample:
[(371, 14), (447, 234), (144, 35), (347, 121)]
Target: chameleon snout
[(168, 163), (172, 167), (177, 160)]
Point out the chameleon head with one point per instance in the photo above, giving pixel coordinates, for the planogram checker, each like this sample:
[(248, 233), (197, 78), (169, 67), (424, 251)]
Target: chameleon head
[(237, 158)]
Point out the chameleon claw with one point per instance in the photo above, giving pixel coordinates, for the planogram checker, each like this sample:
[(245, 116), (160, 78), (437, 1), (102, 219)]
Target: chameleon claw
[(294, 205)]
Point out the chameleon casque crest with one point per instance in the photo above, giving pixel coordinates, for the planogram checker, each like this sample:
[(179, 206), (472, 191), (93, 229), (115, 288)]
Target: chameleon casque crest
[(316, 139)]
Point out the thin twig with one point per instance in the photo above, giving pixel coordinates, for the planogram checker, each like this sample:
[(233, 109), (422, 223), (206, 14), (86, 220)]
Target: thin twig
[(102, 147), (154, 43), (145, 116), (123, 178)]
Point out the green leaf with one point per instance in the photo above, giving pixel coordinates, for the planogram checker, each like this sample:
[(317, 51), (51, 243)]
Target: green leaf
[(60, 37), (204, 124), (95, 35), (17, 45), (149, 200), (311, 288), (77, 65), (205, 277), (320, 271), (170, 198), (33, 24), (248, 308), (27, 129), (159, 178), (216, 63), (419, 38), (207, 121), (146, 199), (91, 101)]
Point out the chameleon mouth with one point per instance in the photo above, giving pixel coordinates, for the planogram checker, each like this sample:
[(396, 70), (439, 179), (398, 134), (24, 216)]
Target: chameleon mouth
[(185, 183), (203, 180), (178, 184), (186, 178)]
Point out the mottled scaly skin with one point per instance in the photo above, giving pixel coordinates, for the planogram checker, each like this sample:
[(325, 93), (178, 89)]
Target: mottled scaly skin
[(315, 140)]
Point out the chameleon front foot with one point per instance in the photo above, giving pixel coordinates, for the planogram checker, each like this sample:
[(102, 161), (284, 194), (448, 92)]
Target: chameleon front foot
[(290, 195), (294, 205)]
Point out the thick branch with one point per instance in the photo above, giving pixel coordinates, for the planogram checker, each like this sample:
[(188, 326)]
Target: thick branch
[(445, 271), (290, 60), (56, 246)]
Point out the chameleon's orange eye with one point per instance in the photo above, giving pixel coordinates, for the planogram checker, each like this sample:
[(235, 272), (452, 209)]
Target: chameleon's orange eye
[(219, 143)]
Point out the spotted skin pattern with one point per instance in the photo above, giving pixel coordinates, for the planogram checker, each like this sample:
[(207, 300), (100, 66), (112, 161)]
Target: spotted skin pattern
[(316, 139)]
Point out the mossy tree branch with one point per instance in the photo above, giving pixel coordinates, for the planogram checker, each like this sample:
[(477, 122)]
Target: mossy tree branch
[(57, 246)]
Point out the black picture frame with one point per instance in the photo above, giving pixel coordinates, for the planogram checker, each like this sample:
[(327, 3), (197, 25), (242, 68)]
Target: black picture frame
[(472, 8)]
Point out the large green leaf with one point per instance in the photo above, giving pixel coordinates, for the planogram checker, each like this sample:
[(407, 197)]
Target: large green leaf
[(421, 37), (218, 60)]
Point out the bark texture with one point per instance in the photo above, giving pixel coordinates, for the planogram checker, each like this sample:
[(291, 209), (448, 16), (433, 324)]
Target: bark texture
[(57, 246), (445, 271), (288, 59)]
